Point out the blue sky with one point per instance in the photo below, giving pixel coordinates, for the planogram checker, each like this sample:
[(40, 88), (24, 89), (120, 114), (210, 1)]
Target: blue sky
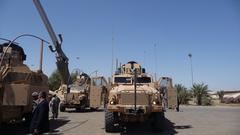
[(208, 29)]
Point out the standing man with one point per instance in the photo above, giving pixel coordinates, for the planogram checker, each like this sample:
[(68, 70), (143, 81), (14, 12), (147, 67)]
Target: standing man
[(35, 101), (28, 118), (40, 120), (54, 103)]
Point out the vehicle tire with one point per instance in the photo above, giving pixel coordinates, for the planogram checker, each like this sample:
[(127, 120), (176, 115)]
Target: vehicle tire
[(28, 118), (62, 108), (158, 121), (79, 109), (94, 109), (0, 119), (110, 119)]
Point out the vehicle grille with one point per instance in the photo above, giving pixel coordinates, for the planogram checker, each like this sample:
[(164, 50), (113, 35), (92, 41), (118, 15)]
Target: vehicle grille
[(128, 99)]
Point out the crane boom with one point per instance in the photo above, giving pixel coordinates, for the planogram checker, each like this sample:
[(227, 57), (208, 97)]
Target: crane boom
[(62, 60)]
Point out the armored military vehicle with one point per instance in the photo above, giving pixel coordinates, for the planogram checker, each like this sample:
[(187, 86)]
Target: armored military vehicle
[(84, 92), (17, 83), (133, 98)]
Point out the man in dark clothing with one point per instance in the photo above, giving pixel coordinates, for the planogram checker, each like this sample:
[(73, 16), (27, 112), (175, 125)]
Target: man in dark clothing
[(40, 120), (35, 101)]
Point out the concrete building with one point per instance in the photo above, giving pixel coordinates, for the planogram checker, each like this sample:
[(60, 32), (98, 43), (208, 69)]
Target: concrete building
[(227, 94)]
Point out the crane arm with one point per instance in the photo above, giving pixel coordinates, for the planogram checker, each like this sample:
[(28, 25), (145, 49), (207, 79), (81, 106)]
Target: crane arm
[(62, 60)]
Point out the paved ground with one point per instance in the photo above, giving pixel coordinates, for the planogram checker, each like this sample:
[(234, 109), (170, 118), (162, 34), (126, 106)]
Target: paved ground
[(191, 120)]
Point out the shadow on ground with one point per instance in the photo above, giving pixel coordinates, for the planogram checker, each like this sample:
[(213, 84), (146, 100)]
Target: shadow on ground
[(87, 110), (17, 128), (145, 129), (21, 128), (55, 124)]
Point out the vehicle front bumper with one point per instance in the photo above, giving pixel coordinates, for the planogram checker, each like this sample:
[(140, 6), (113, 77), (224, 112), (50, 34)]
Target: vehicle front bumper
[(130, 109)]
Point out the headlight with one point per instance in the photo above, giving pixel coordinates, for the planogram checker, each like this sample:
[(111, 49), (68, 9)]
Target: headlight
[(154, 102), (155, 99), (113, 101)]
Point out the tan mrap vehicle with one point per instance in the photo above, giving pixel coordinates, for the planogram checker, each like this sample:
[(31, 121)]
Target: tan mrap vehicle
[(17, 83), (84, 93), (133, 98)]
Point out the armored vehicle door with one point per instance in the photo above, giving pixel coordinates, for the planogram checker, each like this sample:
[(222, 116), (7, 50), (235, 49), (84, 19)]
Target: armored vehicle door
[(169, 94), (98, 92)]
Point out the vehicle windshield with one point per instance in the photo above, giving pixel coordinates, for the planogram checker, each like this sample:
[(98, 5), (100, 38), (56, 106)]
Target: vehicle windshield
[(99, 82), (77, 87), (129, 80), (164, 83), (143, 80), (122, 79)]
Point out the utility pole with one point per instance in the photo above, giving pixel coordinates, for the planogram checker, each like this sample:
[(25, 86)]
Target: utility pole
[(41, 56), (190, 57)]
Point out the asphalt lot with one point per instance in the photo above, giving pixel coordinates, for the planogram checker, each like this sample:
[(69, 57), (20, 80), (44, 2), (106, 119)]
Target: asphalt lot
[(191, 120)]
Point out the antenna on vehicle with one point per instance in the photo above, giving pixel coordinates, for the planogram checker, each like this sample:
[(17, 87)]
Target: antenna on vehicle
[(155, 61), (4, 39), (144, 58), (112, 52), (117, 64)]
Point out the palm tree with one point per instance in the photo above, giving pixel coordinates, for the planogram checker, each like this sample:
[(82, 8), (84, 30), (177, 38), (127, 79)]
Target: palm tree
[(220, 95), (199, 91), (183, 96), (54, 80)]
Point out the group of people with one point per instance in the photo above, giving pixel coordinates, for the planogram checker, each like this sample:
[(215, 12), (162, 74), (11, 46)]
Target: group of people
[(40, 112)]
